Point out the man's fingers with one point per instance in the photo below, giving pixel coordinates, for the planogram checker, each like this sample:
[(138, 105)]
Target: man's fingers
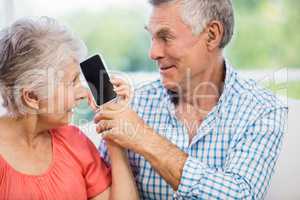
[(104, 125), (107, 112), (105, 134), (103, 116), (109, 134), (110, 106)]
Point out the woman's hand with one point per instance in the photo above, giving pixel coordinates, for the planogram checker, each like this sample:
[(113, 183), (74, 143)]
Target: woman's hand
[(122, 88), (115, 150), (123, 183)]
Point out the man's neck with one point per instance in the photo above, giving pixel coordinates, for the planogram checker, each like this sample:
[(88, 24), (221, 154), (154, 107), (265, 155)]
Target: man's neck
[(204, 89), (193, 105)]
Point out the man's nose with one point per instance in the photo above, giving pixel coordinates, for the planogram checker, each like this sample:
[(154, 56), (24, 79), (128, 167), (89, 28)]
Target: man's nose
[(156, 51)]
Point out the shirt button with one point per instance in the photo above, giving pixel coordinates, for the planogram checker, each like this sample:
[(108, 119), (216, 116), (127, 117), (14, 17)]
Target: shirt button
[(175, 196)]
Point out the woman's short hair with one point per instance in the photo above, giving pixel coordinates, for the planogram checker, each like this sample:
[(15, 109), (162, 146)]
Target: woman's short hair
[(29, 48)]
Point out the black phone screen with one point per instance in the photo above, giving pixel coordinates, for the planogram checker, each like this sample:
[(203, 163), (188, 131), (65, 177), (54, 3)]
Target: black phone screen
[(98, 80)]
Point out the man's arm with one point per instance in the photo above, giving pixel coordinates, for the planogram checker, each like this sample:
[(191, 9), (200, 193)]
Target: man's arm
[(247, 171), (149, 144), (165, 157)]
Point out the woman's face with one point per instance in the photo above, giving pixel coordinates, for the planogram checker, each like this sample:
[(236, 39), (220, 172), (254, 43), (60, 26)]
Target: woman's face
[(57, 109)]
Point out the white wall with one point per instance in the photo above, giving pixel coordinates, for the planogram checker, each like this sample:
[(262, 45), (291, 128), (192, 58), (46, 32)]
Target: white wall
[(7, 10), (285, 184)]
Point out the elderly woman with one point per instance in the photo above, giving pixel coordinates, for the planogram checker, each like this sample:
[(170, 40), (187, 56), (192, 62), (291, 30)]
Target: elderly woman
[(41, 156)]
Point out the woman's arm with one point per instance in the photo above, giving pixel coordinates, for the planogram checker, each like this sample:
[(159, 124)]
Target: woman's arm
[(103, 196), (123, 183)]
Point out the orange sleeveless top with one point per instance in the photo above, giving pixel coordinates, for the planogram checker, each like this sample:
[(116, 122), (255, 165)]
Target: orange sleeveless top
[(76, 171)]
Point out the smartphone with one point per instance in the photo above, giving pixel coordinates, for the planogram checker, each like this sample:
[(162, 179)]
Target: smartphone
[(97, 78)]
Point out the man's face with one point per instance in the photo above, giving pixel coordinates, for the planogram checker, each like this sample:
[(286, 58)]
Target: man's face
[(180, 55)]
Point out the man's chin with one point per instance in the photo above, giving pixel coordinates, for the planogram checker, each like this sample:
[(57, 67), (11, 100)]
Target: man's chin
[(169, 84)]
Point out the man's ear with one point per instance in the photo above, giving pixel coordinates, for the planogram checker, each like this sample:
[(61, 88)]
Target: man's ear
[(215, 32), (30, 99)]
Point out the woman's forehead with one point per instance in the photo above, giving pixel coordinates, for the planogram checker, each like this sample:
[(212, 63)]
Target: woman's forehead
[(71, 70)]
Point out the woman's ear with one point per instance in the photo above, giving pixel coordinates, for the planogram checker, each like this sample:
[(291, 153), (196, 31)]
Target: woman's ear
[(215, 32), (30, 99)]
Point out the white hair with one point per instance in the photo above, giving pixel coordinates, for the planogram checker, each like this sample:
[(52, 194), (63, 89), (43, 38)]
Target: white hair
[(29, 48), (198, 13)]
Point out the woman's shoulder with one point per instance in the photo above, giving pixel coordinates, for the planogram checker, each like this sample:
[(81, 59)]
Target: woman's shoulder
[(72, 136), (68, 131)]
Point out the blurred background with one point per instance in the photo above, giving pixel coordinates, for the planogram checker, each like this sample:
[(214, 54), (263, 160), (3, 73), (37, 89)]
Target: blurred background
[(265, 47), (266, 35)]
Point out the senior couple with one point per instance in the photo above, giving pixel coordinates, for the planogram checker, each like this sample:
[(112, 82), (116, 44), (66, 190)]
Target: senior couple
[(199, 132)]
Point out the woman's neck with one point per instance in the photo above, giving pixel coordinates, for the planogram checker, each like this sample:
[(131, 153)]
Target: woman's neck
[(24, 129)]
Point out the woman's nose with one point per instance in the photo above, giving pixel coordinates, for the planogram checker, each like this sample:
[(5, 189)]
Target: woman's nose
[(81, 93)]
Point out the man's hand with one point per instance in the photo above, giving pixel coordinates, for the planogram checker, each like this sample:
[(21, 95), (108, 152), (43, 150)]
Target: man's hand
[(119, 124)]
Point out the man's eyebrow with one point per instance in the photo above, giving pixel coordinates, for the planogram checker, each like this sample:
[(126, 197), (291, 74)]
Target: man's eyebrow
[(161, 32)]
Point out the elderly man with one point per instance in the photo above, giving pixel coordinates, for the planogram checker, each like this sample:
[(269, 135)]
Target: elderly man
[(201, 131)]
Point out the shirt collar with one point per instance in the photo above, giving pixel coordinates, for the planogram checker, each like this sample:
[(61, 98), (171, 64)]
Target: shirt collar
[(209, 121), (230, 75)]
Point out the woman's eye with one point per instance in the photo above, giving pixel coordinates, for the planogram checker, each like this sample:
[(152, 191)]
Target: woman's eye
[(75, 81)]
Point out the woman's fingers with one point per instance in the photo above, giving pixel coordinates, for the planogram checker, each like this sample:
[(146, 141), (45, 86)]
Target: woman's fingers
[(117, 81), (120, 85), (123, 91)]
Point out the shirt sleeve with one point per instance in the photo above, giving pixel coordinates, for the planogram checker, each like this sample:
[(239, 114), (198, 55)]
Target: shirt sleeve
[(248, 167), (97, 174), (104, 153)]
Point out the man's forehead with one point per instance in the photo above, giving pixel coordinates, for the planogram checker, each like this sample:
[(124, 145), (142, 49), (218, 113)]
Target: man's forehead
[(161, 21), (155, 27)]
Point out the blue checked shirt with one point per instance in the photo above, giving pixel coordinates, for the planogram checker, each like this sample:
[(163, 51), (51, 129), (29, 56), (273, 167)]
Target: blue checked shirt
[(234, 152)]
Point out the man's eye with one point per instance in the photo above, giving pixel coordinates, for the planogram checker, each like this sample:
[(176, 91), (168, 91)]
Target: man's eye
[(165, 39)]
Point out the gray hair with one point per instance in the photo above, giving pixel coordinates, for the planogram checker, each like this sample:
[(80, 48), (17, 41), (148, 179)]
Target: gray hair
[(29, 48), (198, 13)]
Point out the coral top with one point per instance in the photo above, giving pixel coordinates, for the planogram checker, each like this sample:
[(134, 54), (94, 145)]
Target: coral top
[(76, 172)]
